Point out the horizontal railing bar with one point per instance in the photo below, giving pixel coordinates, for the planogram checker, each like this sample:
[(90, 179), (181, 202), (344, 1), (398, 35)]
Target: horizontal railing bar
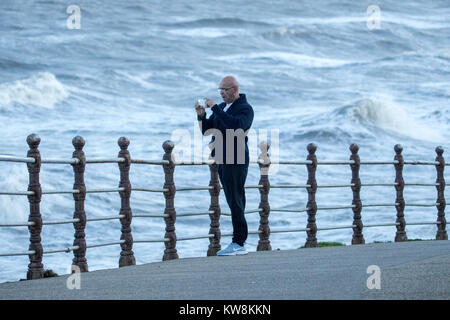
[(378, 184), (211, 187), (381, 225), (61, 192), (335, 228), (149, 215), (422, 223), (67, 250), (288, 230), (61, 221), (156, 162), (17, 193), (186, 214), (421, 204), (288, 210), (60, 161), (25, 224), (433, 163), (149, 190), (379, 205), (338, 162), (422, 184), (151, 240), (104, 160), (120, 216), (195, 238), (26, 253), (228, 214), (379, 162), (292, 162), (193, 188), (17, 159), (336, 207), (336, 185), (290, 186), (160, 162), (105, 244), (194, 163), (105, 190), (231, 234)]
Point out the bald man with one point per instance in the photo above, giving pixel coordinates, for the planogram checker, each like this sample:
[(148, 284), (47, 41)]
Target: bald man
[(231, 118)]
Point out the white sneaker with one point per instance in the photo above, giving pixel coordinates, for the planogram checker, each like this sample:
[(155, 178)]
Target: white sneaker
[(233, 249)]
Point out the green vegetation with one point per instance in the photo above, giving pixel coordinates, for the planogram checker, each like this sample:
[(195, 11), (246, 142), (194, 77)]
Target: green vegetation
[(49, 273), (327, 244), (338, 244)]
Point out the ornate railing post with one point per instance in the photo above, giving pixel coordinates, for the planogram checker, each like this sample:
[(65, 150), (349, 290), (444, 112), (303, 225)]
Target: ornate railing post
[(127, 254), (79, 259), (214, 243), (358, 237), (311, 240), (441, 233), (400, 201), (35, 268), (170, 252), (264, 229)]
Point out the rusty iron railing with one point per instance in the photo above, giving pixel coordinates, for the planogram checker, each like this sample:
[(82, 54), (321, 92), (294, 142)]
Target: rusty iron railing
[(124, 160)]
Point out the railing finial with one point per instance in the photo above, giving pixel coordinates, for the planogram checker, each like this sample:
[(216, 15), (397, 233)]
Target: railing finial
[(123, 143), (33, 141), (398, 149), (78, 142)]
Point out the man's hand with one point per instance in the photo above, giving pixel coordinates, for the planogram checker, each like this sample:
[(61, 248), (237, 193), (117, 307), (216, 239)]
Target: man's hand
[(209, 102), (199, 109)]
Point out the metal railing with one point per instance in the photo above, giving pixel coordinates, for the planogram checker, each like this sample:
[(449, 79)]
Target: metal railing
[(124, 161)]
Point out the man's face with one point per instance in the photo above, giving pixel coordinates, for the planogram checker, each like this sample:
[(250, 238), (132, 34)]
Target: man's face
[(227, 91)]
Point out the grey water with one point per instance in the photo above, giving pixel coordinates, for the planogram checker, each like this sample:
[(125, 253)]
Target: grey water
[(313, 71)]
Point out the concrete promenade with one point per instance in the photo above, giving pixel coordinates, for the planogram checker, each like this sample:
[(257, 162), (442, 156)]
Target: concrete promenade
[(409, 270)]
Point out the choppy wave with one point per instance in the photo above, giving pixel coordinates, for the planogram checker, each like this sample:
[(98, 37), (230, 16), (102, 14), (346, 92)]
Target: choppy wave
[(220, 22), (41, 89), (288, 57), (389, 115)]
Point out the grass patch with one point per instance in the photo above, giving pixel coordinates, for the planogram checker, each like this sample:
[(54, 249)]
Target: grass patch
[(408, 240), (327, 244)]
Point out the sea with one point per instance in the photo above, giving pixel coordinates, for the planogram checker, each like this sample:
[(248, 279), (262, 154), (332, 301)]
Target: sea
[(333, 73)]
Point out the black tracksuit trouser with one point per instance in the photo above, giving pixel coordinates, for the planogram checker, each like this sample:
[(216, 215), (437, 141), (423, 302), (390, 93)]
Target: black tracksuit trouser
[(232, 177)]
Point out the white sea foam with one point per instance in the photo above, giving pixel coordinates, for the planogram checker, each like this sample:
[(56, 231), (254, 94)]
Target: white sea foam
[(14, 178), (41, 89), (291, 58), (413, 21), (390, 115), (200, 32)]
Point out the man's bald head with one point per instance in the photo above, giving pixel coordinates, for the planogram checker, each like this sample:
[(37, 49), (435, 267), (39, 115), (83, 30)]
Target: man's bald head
[(229, 89), (229, 81)]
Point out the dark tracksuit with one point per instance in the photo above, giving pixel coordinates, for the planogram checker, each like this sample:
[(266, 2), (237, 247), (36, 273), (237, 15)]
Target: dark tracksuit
[(232, 170)]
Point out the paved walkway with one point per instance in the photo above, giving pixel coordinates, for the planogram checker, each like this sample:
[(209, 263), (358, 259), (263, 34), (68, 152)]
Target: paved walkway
[(410, 270)]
